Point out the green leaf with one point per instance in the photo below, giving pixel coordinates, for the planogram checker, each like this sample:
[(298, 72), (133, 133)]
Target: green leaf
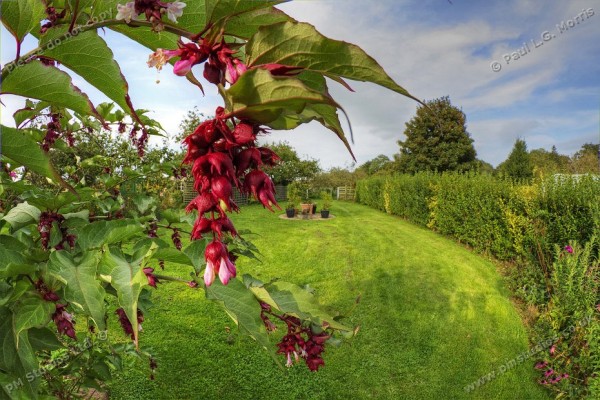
[(44, 339), (143, 203), (241, 305), (128, 279), (324, 113), (262, 97), (6, 291), (13, 269), (292, 299), (22, 215), (148, 38), (88, 55), (32, 312), (195, 252), (38, 81), (9, 256), (300, 44), (84, 215), (100, 233), (52, 201), (83, 290), (8, 356), (12, 243), (194, 16), (227, 9), (22, 16), (172, 216), (170, 254), (29, 112), (245, 25), (19, 360), (23, 150)]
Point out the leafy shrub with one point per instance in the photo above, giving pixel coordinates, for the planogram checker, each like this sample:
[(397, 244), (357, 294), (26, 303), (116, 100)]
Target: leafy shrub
[(571, 320)]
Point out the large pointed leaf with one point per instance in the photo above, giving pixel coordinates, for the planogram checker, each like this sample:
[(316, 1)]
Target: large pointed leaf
[(245, 25), (22, 215), (88, 55), (19, 360), (292, 299), (127, 278), (170, 254), (148, 38), (194, 16), (195, 252), (23, 150), (32, 312), (22, 16), (38, 81), (240, 303), (300, 44), (326, 114), (44, 339), (259, 96), (100, 233), (82, 289), (218, 9)]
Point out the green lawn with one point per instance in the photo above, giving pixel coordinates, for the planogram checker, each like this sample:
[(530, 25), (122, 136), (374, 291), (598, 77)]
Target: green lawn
[(433, 318)]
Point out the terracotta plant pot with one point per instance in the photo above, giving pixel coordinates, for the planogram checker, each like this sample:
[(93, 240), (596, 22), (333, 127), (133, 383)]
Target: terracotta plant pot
[(306, 207)]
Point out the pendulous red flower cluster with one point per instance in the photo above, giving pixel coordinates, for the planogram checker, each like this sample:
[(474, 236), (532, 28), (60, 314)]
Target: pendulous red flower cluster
[(223, 154), (45, 226), (64, 321), (126, 324), (299, 342)]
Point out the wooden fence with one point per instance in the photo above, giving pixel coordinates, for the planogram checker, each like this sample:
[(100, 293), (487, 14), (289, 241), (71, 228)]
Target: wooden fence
[(345, 193), (187, 188)]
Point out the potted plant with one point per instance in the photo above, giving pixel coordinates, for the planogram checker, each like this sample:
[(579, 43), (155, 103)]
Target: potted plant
[(327, 199), (304, 192), (290, 209), (293, 195)]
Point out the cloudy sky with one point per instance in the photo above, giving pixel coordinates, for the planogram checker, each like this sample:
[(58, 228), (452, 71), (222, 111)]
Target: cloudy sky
[(549, 95)]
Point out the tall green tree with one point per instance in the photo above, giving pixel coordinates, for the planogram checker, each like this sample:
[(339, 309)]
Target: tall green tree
[(518, 164), (291, 167), (436, 140), (381, 163), (586, 160), (545, 163)]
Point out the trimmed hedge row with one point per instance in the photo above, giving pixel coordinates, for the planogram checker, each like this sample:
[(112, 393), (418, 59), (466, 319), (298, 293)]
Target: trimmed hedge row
[(497, 217)]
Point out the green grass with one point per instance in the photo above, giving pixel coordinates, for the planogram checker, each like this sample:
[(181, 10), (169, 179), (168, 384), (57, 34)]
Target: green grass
[(433, 318)]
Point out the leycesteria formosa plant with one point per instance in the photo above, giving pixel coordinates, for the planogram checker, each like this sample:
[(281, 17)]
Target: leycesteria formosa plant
[(79, 246)]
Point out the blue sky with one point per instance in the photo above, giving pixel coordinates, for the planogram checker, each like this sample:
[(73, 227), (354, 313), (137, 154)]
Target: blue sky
[(433, 48)]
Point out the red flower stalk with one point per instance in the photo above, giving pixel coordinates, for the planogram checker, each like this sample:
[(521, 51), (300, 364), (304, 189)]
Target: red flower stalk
[(152, 279), (176, 238), (46, 292), (261, 186), (189, 54), (218, 262), (310, 349), (126, 324), (64, 321), (247, 158), (204, 203)]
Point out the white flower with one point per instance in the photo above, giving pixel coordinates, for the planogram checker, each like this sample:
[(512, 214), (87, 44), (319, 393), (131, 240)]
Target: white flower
[(175, 10), (126, 12)]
